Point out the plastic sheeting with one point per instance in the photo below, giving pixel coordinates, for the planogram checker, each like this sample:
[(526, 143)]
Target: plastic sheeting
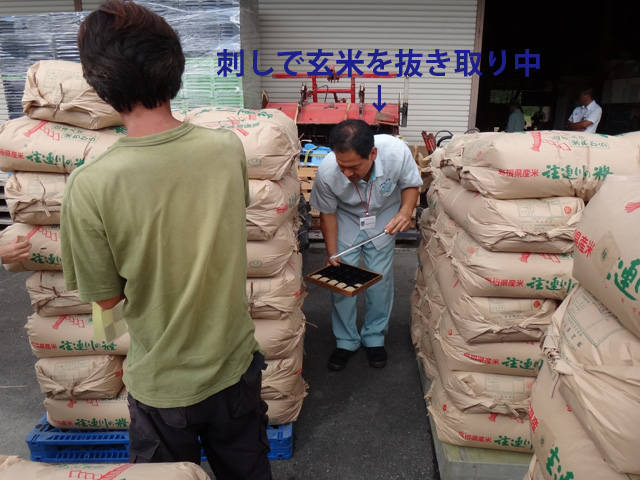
[(205, 27)]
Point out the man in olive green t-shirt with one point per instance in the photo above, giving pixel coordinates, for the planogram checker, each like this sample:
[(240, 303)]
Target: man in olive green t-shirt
[(159, 220)]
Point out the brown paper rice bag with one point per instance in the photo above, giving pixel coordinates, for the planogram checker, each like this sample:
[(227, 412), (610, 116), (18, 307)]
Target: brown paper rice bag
[(35, 198), (80, 377), (269, 137), (607, 251), (537, 164), (42, 146), (511, 274), (559, 441), (90, 414), (598, 363), (50, 297), (69, 335), (14, 467), (482, 430), (55, 90)]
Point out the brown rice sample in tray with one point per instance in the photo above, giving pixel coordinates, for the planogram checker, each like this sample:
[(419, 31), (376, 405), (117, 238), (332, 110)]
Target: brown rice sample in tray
[(346, 279)]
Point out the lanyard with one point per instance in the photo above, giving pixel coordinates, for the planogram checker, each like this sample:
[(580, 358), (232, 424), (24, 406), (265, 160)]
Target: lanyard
[(366, 207)]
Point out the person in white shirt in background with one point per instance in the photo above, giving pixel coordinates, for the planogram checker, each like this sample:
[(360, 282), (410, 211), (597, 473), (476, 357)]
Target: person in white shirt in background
[(516, 121), (586, 116)]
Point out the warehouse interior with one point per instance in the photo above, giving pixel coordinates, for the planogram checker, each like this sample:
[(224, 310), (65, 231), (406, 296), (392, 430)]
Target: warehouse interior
[(586, 44)]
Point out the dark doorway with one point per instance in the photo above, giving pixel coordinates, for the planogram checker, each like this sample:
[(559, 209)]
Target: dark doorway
[(581, 44)]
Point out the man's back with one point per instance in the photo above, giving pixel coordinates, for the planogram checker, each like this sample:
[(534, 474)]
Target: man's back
[(175, 229), (594, 114)]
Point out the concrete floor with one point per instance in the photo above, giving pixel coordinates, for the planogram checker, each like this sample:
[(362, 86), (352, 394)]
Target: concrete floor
[(360, 423)]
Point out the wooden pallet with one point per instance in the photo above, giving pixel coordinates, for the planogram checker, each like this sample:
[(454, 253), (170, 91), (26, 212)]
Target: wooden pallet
[(306, 175), (467, 463)]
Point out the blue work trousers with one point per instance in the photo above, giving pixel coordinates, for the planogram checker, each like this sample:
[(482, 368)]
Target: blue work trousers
[(379, 299)]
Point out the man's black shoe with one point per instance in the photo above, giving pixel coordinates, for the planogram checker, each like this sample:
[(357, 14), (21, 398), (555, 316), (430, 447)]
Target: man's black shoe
[(339, 358), (377, 356)]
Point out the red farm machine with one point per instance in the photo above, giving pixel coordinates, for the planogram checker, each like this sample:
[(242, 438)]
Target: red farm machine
[(321, 107)]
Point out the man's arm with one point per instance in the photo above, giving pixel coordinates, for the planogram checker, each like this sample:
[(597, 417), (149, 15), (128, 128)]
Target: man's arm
[(111, 302), (579, 126), (575, 126), (15, 251), (329, 228), (402, 220), (590, 117), (87, 260)]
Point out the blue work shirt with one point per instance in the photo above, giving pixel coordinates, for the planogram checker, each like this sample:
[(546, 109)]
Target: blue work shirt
[(394, 169)]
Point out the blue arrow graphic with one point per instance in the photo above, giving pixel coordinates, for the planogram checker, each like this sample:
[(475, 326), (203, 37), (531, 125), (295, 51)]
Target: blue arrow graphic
[(380, 105)]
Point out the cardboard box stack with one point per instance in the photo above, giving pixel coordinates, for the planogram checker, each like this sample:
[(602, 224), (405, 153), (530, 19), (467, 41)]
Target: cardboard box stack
[(495, 260), (275, 286), (41, 154), (585, 407)]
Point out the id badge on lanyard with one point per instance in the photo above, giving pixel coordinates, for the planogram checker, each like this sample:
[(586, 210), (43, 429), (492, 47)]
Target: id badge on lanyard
[(368, 221)]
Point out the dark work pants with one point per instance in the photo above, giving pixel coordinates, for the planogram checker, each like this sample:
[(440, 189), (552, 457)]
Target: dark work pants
[(231, 424)]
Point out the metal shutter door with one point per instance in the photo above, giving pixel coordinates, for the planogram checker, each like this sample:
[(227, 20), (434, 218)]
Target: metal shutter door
[(31, 7), (435, 103), (90, 5)]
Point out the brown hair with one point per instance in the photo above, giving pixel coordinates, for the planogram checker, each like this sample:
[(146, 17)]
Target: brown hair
[(130, 55)]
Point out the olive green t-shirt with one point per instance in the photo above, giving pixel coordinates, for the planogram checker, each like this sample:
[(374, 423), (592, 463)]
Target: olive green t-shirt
[(162, 219)]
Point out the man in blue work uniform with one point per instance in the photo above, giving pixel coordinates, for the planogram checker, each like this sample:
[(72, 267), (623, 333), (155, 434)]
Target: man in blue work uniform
[(369, 183)]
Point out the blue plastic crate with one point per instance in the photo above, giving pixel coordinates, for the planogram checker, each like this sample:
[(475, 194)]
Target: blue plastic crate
[(312, 155), (280, 441), (52, 445)]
